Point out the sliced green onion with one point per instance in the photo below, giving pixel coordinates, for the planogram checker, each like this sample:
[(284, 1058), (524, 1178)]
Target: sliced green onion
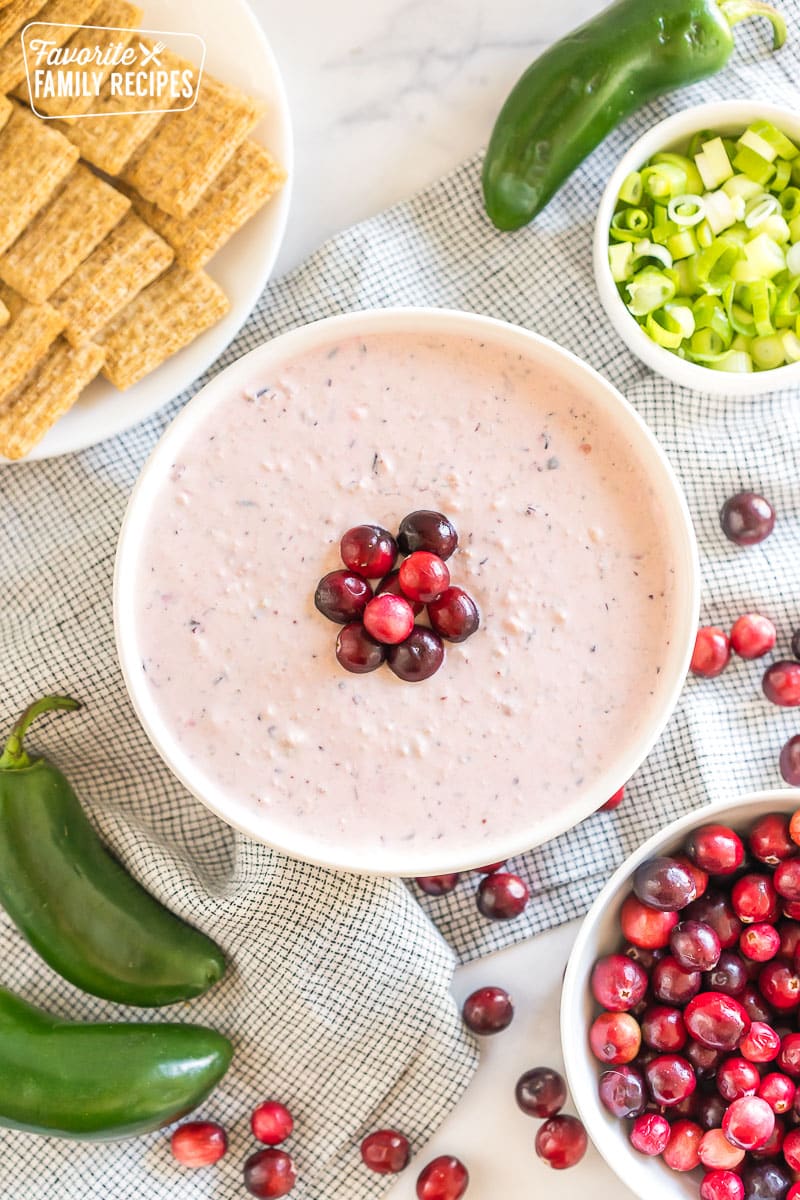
[(620, 259), (713, 164), (754, 166), (735, 361), (790, 203), (649, 290), (793, 259), (768, 352), (759, 208), (631, 190), (761, 301), (693, 181), (765, 256), (787, 305), (720, 210), (759, 145), (687, 209), (682, 245), (651, 250), (780, 143), (740, 185), (783, 174), (621, 231), (791, 345), (663, 181)]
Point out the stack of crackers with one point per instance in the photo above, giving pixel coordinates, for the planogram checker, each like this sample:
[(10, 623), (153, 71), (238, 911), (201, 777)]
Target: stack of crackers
[(105, 274)]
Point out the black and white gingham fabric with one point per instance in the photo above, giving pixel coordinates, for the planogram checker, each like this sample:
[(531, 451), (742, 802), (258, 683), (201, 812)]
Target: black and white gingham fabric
[(337, 995)]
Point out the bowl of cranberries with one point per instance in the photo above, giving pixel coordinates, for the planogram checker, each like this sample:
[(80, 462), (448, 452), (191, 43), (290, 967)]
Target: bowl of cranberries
[(681, 1008)]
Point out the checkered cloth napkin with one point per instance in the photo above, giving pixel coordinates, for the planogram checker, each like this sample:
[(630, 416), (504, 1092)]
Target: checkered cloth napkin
[(337, 993)]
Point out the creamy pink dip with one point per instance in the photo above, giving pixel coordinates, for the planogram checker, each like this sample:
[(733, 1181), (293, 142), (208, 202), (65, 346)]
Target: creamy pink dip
[(561, 545)]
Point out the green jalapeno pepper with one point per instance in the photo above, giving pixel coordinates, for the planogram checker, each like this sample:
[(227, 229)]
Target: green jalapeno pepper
[(585, 85), (103, 1081), (86, 916)]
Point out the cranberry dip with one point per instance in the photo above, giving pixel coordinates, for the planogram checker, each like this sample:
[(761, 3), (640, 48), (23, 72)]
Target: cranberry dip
[(566, 544)]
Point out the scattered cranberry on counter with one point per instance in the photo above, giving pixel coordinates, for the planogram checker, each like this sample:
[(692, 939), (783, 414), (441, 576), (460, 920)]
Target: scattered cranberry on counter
[(426, 530), (790, 761), (342, 596), (614, 801), (369, 550), (781, 683), (753, 636), (747, 518), (388, 619), (386, 1152), (424, 576), (446, 1178), (712, 652), (454, 615), (437, 885), (271, 1123), (198, 1143), (391, 584), (541, 1092), (269, 1174), (502, 896), (418, 657), (356, 651), (488, 1010), (561, 1142)]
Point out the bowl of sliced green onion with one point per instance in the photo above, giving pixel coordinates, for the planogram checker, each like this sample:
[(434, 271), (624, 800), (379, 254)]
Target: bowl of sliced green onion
[(697, 248)]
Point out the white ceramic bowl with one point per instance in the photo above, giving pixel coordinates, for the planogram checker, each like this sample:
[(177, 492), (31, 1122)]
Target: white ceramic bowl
[(455, 855), (600, 934), (729, 116)]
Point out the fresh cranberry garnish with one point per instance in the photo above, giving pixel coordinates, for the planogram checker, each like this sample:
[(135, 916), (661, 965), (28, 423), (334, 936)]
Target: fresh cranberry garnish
[(427, 530), (760, 1044), (454, 615), (722, 1185), (753, 636), (618, 984), (781, 683), (418, 657), (369, 550), (712, 652), (502, 896), (770, 841), (760, 943), (716, 1020), (646, 927), (749, 1123), (778, 1090), (716, 849), (663, 1028), (271, 1123), (424, 577), (356, 651), (614, 801), (385, 1151), (198, 1143), (695, 946), (391, 584), (541, 1092), (269, 1174), (622, 1092), (488, 1010), (682, 1152), (389, 619), (670, 1079), (787, 879), (437, 885), (754, 898), (728, 976), (342, 596), (561, 1142), (737, 1077), (615, 1038), (446, 1178), (664, 884), (672, 985), (747, 518), (716, 1152), (650, 1134), (790, 761)]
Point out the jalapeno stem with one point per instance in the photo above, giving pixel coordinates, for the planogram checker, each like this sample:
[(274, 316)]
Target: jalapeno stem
[(739, 10), (14, 756)]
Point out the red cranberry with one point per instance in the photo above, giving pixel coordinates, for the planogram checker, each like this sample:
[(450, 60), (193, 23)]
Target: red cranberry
[(781, 683), (454, 615), (446, 1178), (541, 1092), (369, 550), (700, 877), (622, 1092), (386, 1152), (502, 896), (722, 1185), (760, 943), (391, 584), (716, 1020), (753, 636), (715, 910), (271, 1123), (492, 867), (615, 1038), (760, 1044), (790, 938), (789, 1057), (663, 1029), (754, 898), (342, 596), (791, 1149), (791, 909), (670, 1079), (561, 1142), (780, 985), (618, 984), (424, 577), (717, 1153), (765, 1181), (712, 652), (671, 985), (755, 1005), (705, 1062), (427, 530), (787, 879), (682, 1149), (488, 1010), (769, 839), (749, 1123), (613, 802), (695, 946), (728, 976), (437, 885), (269, 1174), (418, 657), (747, 518), (198, 1143), (793, 1192), (778, 1090), (716, 849), (736, 1078), (664, 884), (650, 1134), (356, 651), (646, 927), (790, 761), (389, 619)]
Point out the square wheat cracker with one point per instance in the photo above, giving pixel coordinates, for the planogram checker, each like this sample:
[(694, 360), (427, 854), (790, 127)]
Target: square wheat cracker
[(242, 187), (130, 258), (63, 234), (46, 394), (14, 15), (25, 339), (188, 150), (58, 15), (34, 160), (165, 317)]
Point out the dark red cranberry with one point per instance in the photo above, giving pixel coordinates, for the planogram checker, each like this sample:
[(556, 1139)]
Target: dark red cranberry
[(369, 550), (418, 657), (765, 1181), (749, 1123), (356, 651), (781, 683), (271, 1123), (446, 1178), (778, 1090), (198, 1143), (385, 1151), (755, 1005), (769, 840), (650, 1134), (645, 958), (747, 518), (615, 1038), (760, 1044), (710, 1109), (737, 1077), (488, 1010), (424, 577), (753, 636), (716, 1020), (454, 615), (672, 985), (492, 867), (342, 596), (683, 1148), (704, 1060), (716, 910), (670, 1079), (427, 530), (722, 1185), (790, 938), (787, 879), (780, 985), (712, 652), (618, 984), (789, 1057), (561, 1142), (695, 946), (622, 1092), (391, 584), (754, 898), (437, 885), (663, 1028), (716, 849), (700, 877), (664, 884), (269, 1174), (791, 1149), (541, 1092), (760, 943), (790, 761), (389, 619), (613, 801), (728, 976), (644, 926), (502, 896)]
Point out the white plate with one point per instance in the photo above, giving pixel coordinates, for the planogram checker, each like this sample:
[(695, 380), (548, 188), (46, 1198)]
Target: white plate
[(239, 54)]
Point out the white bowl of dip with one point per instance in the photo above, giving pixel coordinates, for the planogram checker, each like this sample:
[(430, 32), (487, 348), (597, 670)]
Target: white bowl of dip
[(575, 541), (599, 934)]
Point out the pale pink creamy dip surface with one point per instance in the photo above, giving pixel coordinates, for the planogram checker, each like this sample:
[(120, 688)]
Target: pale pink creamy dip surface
[(561, 545)]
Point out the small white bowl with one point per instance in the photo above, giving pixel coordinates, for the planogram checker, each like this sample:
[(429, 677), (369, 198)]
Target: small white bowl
[(600, 934), (729, 116)]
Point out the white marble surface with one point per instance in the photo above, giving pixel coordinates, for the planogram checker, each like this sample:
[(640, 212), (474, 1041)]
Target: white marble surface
[(386, 96)]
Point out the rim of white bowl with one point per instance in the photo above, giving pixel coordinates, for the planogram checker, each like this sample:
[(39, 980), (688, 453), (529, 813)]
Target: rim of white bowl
[(637, 1172), (727, 116), (680, 540)]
